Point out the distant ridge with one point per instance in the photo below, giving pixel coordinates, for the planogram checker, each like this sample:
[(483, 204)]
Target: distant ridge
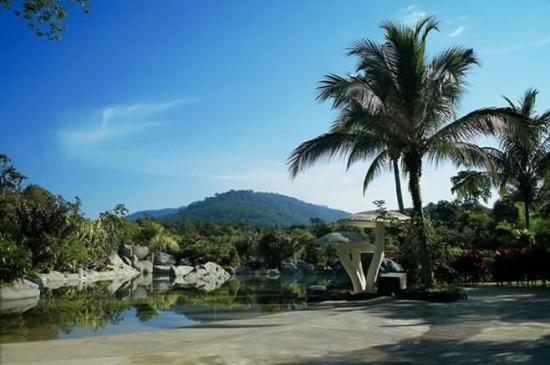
[(255, 208), (154, 213)]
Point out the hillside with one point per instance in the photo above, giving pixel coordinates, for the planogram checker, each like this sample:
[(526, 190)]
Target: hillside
[(255, 208), (154, 213)]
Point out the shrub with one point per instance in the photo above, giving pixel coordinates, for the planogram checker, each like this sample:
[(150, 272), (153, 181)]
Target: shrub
[(15, 260), (471, 266)]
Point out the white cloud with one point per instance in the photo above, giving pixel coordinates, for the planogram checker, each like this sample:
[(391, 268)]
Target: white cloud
[(113, 135), (414, 16), (457, 31), (543, 42), (116, 121)]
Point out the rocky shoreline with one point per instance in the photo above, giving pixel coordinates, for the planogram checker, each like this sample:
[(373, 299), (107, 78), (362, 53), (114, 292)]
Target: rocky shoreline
[(122, 270)]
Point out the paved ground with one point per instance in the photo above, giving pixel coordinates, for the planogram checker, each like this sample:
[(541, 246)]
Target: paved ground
[(495, 326)]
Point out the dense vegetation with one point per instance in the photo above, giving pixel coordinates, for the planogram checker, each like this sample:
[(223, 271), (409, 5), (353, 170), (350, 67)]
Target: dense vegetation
[(469, 242), (253, 208)]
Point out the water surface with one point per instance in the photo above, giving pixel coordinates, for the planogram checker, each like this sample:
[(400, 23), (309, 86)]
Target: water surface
[(147, 304)]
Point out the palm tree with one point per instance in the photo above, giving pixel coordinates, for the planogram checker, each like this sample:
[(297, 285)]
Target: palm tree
[(401, 105), (524, 154)]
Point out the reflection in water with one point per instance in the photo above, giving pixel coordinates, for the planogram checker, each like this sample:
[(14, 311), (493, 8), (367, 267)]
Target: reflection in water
[(145, 304)]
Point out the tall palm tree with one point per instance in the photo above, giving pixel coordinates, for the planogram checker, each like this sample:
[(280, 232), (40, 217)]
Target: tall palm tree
[(524, 154), (402, 105)]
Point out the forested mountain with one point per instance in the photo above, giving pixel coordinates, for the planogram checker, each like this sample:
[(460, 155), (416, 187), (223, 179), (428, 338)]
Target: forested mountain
[(255, 208), (154, 213)]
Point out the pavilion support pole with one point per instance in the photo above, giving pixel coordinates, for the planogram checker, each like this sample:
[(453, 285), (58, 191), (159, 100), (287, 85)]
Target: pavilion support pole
[(344, 255), (358, 267), (377, 258)]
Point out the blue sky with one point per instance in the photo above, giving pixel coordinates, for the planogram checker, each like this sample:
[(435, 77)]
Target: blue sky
[(161, 105)]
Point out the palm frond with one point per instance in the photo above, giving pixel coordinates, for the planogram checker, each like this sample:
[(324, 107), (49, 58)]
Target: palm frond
[(484, 121), (377, 165), (328, 145)]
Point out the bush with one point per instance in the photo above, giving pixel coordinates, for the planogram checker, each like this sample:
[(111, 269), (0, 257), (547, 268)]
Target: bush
[(470, 266), (15, 260)]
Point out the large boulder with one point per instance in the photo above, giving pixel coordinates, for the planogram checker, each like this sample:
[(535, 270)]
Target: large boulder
[(53, 279), (141, 252), (125, 251), (19, 297), (180, 270), (207, 277), (162, 258), (144, 266)]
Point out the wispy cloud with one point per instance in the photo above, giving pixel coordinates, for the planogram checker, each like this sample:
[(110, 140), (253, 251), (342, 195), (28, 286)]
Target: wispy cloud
[(457, 31), (114, 135), (116, 121), (413, 15), (511, 48)]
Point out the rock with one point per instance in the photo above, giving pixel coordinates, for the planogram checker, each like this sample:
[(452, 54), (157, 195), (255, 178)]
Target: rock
[(126, 260), (125, 251), (388, 265), (162, 258), (144, 267), (305, 266), (141, 252), (19, 297), (53, 279), (72, 279), (270, 272), (117, 269), (288, 268), (185, 262), (317, 289), (144, 280), (206, 277), (162, 270), (180, 270)]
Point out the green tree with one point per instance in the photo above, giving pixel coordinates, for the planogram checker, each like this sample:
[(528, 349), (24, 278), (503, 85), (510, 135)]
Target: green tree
[(44, 17), (471, 186), (402, 102), (523, 158)]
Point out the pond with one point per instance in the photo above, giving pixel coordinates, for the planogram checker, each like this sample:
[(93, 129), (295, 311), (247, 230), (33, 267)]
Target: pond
[(149, 304)]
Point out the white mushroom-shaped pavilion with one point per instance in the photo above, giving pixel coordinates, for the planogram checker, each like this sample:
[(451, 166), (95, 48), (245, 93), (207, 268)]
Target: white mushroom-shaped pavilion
[(350, 245)]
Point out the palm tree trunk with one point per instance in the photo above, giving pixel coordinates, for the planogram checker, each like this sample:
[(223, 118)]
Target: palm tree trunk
[(415, 172), (398, 186)]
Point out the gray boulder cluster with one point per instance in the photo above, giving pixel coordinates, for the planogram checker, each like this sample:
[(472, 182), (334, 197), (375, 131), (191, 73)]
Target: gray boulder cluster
[(206, 277), (138, 257), (117, 271)]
